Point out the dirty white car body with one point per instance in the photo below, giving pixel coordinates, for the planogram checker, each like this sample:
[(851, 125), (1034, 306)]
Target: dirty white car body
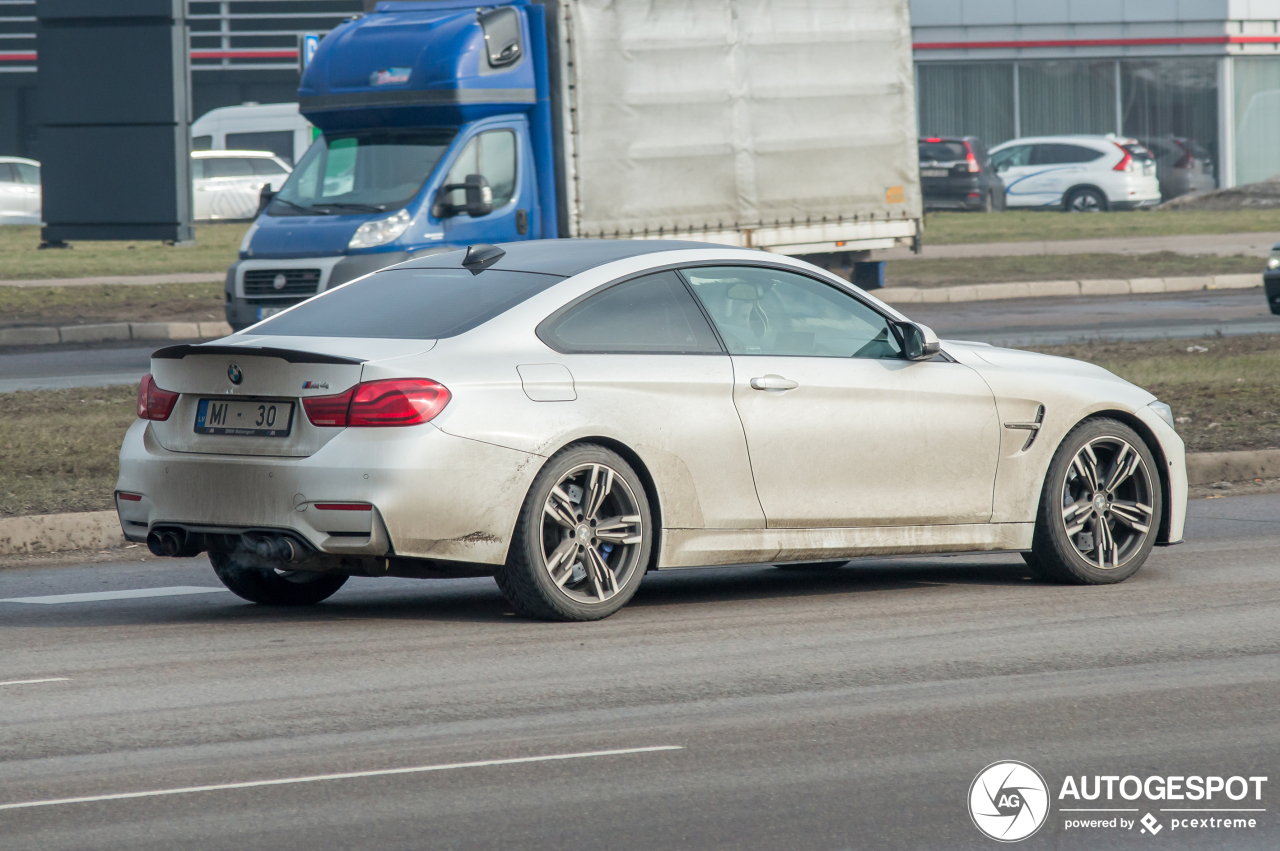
[(744, 458)]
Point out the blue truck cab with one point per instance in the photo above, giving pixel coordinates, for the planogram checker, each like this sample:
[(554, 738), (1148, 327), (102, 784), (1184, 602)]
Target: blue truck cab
[(435, 123)]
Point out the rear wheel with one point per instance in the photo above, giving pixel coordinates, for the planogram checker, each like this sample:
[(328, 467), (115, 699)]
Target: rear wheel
[(582, 541), (1086, 201), (1100, 508), (275, 587)]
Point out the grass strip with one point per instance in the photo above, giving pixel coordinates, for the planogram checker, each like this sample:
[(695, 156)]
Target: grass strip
[(59, 449), (1026, 225), (110, 303), (216, 248)]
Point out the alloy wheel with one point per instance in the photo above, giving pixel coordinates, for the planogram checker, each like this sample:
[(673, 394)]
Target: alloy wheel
[(592, 533), (1107, 502), (1086, 202)]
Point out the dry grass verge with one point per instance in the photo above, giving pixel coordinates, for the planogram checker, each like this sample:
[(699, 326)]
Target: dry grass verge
[(111, 303), (216, 248), (1064, 267)]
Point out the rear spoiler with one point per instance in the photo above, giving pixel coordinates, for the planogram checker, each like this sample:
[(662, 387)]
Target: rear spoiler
[(290, 355)]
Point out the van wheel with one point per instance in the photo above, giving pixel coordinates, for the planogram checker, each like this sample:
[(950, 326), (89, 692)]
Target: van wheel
[(582, 541), (1086, 201), (275, 587), (1100, 508)]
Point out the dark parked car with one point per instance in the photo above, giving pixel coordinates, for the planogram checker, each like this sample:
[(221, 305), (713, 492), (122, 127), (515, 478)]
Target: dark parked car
[(1271, 279), (1183, 166), (956, 174)]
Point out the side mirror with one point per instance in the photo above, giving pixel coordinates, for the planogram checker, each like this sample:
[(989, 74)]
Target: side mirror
[(918, 341), (479, 198), (265, 197)]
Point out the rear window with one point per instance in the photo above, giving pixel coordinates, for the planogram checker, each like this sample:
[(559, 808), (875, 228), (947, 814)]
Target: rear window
[(943, 152), (409, 304)]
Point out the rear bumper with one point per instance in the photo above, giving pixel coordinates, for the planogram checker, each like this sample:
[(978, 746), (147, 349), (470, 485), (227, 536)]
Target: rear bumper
[(433, 495)]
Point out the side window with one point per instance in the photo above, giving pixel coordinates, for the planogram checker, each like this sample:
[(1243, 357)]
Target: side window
[(493, 155), (1057, 154), (278, 142), (762, 311), (1018, 155), (267, 167), (650, 315), (228, 167), (28, 173), (201, 143), (197, 169), (7, 173)]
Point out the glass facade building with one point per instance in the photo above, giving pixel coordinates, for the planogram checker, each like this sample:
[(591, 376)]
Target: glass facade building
[(1196, 76)]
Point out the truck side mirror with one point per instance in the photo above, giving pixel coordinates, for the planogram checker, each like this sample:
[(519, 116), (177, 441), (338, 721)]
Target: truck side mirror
[(479, 198)]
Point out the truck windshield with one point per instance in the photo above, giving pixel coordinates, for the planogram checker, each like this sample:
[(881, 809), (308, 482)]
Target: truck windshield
[(365, 172)]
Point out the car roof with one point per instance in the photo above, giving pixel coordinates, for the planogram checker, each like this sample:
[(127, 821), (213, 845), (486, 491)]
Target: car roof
[(1063, 139), (19, 160), (561, 256), (216, 154)]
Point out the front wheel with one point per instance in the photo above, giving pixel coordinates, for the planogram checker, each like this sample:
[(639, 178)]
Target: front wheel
[(275, 587), (582, 541), (1100, 509)]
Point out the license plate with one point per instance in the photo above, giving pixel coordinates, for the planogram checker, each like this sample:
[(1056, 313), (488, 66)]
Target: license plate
[(934, 172), (264, 312), (244, 418)]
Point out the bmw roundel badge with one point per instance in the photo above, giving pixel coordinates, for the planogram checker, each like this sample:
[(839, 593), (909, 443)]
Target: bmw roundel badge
[(234, 373)]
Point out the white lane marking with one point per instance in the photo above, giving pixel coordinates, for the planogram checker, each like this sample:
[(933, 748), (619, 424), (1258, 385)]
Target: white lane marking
[(347, 775), (28, 682), (94, 596)]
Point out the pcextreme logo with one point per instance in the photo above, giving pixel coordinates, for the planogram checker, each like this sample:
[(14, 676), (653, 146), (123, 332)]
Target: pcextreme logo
[(1009, 801)]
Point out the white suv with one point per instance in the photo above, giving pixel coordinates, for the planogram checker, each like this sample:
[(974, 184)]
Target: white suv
[(226, 183), (1083, 174)]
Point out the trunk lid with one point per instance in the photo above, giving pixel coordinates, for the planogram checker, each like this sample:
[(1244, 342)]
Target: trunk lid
[(273, 373)]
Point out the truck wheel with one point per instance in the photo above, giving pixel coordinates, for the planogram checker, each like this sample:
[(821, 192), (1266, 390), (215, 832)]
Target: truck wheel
[(1086, 201), (582, 541), (275, 587), (1100, 509)]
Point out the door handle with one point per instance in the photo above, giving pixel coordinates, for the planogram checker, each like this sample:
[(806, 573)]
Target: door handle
[(773, 382)]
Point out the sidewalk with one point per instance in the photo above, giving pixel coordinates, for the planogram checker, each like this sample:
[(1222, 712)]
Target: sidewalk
[(171, 278), (1220, 244)]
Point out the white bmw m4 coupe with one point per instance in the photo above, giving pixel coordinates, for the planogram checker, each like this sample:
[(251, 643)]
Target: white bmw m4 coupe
[(567, 415)]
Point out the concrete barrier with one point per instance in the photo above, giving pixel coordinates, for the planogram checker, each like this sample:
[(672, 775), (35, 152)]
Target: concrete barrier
[(1204, 468)]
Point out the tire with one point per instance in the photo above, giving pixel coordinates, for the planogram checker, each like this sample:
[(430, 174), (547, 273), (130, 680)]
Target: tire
[(1085, 201), (1097, 519), (273, 587), (548, 574)]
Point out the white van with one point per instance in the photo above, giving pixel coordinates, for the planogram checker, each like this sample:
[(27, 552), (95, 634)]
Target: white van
[(274, 127)]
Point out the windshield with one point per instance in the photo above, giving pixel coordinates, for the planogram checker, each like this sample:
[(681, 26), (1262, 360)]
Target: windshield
[(367, 172)]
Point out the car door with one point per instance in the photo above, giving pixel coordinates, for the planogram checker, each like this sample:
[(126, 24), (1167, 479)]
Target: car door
[(13, 201), (497, 155), (1056, 168), (1013, 164), (29, 177), (841, 430), (230, 188), (640, 356)]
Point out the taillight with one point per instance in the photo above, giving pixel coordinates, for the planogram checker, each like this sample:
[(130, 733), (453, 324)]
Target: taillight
[(391, 402), (154, 403), (329, 410), (974, 168), (1126, 163)]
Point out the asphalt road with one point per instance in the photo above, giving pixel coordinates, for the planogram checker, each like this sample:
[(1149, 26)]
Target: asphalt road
[(1050, 321), (850, 708), (1043, 321)]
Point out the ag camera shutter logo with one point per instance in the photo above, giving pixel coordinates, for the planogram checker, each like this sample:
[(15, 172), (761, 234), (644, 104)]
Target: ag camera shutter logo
[(1008, 801)]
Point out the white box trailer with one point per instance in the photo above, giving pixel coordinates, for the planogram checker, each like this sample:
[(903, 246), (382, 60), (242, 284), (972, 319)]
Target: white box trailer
[(787, 125)]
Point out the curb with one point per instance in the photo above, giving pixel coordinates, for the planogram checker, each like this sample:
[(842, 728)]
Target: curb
[(45, 533), (47, 335), (1064, 289)]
